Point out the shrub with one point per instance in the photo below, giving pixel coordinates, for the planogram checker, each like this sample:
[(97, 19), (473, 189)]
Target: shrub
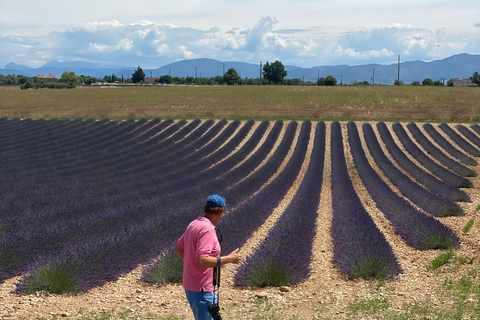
[(168, 269), (50, 278)]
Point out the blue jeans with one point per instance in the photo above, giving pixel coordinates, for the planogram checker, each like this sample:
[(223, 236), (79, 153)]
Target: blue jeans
[(199, 302)]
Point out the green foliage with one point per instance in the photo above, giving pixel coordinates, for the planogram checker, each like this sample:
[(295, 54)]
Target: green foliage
[(110, 79), (398, 83), (71, 79), (477, 208), (451, 259), (415, 83), (88, 79), (466, 295), (165, 79), (321, 82), (441, 260), (428, 82), (268, 273), (461, 198), (330, 80), (367, 306), (14, 79), (370, 269), (45, 85), (138, 75), (450, 211), (50, 278), (450, 83), (475, 78), (231, 77), (124, 314), (274, 72), (438, 242), (169, 269), (468, 226)]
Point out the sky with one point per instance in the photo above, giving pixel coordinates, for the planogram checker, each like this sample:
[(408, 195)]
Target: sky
[(304, 33)]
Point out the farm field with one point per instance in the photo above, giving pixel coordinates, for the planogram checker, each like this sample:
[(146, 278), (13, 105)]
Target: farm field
[(387, 103), (96, 204), (90, 206)]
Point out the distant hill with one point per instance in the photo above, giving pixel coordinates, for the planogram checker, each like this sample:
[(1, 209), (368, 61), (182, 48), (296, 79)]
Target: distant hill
[(457, 66)]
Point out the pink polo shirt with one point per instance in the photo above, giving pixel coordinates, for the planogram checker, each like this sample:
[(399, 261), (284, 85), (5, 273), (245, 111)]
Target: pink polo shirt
[(198, 240)]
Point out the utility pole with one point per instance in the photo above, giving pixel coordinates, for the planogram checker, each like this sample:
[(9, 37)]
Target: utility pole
[(398, 78), (260, 78), (318, 75), (373, 78)]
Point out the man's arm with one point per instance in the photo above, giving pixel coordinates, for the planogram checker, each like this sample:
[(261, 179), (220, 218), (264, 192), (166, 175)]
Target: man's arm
[(210, 262), (179, 250)]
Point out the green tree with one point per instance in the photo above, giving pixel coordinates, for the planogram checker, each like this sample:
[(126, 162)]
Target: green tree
[(71, 78), (274, 72), (438, 83), (415, 83), (428, 82), (321, 82), (231, 77), (165, 79), (475, 78), (138, 75), (330, 80), (450, 83)]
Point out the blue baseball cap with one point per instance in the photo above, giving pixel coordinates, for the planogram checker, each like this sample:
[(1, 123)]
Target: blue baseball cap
[(216, 201)]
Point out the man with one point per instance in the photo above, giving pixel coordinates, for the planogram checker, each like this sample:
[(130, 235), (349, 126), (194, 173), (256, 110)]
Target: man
[(199, 248)]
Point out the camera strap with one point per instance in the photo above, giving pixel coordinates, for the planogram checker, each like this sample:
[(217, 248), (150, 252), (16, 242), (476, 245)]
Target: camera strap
[(216, 278)]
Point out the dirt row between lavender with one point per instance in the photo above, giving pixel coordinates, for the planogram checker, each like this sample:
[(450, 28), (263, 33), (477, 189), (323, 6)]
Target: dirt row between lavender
[(326, 293)]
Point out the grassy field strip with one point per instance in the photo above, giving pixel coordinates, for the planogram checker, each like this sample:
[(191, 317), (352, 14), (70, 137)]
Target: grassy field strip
[(385, 103)]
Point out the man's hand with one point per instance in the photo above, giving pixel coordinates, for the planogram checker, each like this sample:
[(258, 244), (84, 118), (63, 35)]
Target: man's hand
[(210, 262), (234, 257)]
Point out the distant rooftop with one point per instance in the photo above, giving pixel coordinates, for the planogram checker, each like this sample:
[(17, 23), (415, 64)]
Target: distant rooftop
[(47, 76)]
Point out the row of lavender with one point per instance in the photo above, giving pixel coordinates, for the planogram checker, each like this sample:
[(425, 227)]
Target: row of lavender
[(58, 227), (89, 190), (360, 249)]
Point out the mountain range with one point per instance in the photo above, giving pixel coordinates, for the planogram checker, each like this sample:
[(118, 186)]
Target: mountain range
[(457, 66)]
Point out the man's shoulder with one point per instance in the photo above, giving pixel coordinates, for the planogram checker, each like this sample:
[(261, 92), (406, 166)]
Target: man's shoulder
[(201, 223)]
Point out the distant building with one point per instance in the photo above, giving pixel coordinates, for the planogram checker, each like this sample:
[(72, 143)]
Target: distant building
[(462, 82), (46, 77), (151, 80)]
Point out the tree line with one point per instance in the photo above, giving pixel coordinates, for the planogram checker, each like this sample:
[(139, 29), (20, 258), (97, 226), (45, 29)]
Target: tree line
[(273, 74)]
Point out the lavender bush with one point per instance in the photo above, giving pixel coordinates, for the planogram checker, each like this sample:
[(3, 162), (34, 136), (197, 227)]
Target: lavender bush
[(438, 154), (284, 256), (421, 197), (426, 179), (472, 137), (442, 173), (417, 229), (447, 146), (459, 140), (360, 249), (476, 128), (165, 268)]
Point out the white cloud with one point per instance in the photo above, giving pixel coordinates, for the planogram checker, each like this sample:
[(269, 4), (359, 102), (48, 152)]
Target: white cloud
[(156, 44)]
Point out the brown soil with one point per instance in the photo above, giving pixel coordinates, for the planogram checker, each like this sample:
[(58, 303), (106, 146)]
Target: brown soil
[(326, 294)]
